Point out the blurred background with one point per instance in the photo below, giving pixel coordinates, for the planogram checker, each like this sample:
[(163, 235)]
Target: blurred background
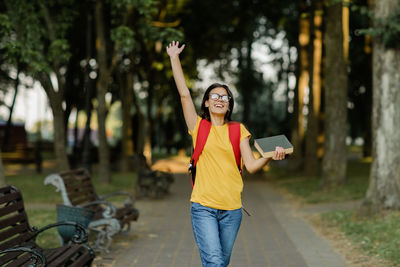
[(89, 82)]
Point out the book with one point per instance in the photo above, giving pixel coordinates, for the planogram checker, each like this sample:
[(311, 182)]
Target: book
[(266, 146)]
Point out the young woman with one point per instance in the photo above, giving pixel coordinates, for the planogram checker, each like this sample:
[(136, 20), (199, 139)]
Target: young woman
[(216, 197)]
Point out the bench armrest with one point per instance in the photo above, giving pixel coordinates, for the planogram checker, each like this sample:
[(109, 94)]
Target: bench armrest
[(36, 255), (109, 211), (130, 199), (79, 237)]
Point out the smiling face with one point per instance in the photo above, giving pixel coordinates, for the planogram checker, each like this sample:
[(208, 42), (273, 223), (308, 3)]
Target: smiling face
[(220, 91), (217, 106)]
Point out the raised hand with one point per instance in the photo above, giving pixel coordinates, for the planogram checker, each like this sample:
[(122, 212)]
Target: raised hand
[(173, 49)]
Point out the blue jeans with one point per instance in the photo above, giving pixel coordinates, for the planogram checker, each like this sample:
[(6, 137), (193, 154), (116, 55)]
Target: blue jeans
[(215, 233)]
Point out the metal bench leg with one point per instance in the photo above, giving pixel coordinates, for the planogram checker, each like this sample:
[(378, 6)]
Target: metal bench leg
[(105, 230)]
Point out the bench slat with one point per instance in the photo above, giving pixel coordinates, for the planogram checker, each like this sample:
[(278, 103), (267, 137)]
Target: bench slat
[(18, 233), (6, 189), (11, 208), (12, 220), (73, 172), (19, 260), (53, 254), (16, 241), (15, 231), (5, 258), (75, 178), (15, 196), (84, 258), (85, 184), (86, 195), (59, 256)]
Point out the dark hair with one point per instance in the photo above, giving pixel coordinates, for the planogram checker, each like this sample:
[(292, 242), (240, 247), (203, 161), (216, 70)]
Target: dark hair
[(204, 112)]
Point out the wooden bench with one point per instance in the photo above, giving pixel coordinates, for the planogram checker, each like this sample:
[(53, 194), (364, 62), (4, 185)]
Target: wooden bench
[(17, 238), (152, 183), (77, 189)]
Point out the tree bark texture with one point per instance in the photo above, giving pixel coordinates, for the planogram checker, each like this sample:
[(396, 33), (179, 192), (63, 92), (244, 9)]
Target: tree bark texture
[(102, 85), (59, 127), (7, 131), (126, 103), (384, 186), (302, 81), (3, 181), (140, 126), (60, 138), (148, 144), (334, 163), (311, 164)]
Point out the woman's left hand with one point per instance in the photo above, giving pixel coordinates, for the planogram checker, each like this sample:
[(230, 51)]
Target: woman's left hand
[(279, 153)]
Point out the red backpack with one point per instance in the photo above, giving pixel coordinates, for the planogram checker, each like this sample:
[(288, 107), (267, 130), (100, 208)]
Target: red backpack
[(202, 135)]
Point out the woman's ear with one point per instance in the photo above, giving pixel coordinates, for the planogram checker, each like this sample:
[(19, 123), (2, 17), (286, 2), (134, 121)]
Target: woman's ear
[(206, 104)]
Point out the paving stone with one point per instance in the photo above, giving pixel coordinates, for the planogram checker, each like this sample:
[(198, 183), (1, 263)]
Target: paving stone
[(272, 236)]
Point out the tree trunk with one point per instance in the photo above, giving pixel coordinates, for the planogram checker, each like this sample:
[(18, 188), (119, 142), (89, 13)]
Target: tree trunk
[(3, 181), (55, 99), (367, 100), (102, 85), (302, 81), (60, 139), (384, 186), (7, 131), (140, 131), (311, 164), (87, 144), (246, 79), (150, 122), (126, 103), (334, 164)]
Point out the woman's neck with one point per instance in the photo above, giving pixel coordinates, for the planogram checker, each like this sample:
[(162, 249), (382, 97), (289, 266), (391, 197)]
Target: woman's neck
[(217, 120)]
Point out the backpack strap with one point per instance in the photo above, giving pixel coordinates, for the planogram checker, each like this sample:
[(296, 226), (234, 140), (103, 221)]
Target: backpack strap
[(202, 135), (234, 137)]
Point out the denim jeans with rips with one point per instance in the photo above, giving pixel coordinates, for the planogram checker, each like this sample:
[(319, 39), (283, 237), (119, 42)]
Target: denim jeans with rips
[(215, 232)]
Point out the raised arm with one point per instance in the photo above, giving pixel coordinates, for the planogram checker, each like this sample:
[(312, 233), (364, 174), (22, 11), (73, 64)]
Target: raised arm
[(189, 110), (252, 164)]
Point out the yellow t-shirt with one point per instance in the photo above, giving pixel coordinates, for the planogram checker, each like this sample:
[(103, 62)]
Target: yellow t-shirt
[(218, 182)]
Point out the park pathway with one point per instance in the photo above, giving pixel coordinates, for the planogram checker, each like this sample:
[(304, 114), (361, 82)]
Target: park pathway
[(271, 236)]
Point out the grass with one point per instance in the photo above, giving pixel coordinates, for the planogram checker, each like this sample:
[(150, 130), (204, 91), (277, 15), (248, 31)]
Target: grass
[(309, 190), (39, 218), (377, 236), (40, 200), (34, 191)]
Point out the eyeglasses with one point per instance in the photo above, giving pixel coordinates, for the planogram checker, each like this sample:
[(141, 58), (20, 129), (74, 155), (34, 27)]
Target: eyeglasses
[(224, 98)]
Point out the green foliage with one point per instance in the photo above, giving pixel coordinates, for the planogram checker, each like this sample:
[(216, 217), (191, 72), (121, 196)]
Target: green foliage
[(5, 25), (378, 236), (124, 36), (387, 30), (34, 32), (168, 35), (59, 50), (146, 7)]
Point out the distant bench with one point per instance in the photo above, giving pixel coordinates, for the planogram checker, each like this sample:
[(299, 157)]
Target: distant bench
[(18, 156), (77, 189), (17, 238)]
